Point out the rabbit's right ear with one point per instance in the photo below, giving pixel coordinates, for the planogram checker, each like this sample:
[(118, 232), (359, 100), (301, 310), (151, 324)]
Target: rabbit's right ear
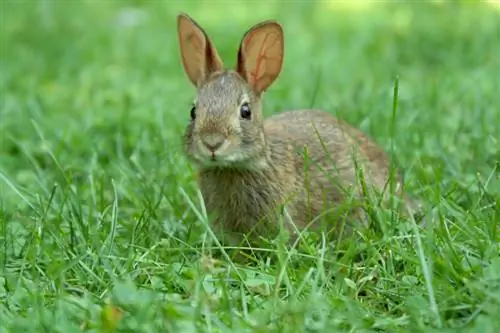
[(260, 56), (199, 56)]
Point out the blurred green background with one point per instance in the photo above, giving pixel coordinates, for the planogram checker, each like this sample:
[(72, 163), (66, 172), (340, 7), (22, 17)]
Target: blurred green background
[(94, 99)]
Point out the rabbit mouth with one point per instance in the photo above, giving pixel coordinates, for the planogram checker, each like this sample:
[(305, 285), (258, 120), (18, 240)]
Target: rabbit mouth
[(210, 158), (214, 162), (217, 160), (213, 158), (221, 160)]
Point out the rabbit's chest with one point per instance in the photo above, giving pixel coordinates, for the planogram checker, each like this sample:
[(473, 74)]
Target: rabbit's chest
[(239, 199)]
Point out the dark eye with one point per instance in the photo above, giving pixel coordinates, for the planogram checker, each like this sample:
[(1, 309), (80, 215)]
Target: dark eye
[(245, 111), (193, 112)]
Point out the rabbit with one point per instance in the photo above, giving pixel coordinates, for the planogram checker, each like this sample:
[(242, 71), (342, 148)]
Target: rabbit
[(300, 164)]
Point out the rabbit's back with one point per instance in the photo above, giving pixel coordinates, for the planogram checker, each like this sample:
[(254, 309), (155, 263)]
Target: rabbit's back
[(329, 141)]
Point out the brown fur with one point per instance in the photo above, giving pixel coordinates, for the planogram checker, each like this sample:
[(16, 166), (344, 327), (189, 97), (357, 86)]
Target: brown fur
[(261, 165)]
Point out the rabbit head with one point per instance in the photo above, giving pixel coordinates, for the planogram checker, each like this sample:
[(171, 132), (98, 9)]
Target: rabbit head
[(226, 127)]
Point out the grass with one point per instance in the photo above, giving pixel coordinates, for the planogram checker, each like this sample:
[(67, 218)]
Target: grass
[(101, 225)]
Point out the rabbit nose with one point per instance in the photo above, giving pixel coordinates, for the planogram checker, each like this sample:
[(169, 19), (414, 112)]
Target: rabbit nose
[(213, 141)]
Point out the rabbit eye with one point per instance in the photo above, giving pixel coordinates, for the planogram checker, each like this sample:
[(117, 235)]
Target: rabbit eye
[(245, 111), (193, 113)]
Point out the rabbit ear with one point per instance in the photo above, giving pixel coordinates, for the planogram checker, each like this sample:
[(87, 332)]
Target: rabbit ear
[(199, 56), (260, 56)]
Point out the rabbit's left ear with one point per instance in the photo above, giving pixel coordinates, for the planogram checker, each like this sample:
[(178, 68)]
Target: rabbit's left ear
[(260, 56)]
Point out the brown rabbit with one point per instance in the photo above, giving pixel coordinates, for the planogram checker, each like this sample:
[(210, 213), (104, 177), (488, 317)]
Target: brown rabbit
[(306, 161)]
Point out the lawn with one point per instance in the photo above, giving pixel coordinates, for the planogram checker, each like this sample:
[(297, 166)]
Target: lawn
[(102, 228)]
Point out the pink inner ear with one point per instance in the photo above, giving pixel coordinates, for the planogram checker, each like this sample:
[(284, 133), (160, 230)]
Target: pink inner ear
[(253, 74), (195, 42)]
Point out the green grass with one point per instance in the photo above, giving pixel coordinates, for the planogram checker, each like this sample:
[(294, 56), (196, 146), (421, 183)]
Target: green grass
[(99, 209)]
